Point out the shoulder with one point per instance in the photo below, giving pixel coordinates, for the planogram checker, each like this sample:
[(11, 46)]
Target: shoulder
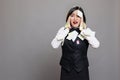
[(61, 29)]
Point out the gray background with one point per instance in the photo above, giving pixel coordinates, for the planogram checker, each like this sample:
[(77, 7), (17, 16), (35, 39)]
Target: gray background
[(27, 28)]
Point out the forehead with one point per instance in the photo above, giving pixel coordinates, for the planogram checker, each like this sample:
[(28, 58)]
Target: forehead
[(75, 12), (78, 12)]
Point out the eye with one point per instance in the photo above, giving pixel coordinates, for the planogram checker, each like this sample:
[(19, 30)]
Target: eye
[(78, 16), (72, 15)]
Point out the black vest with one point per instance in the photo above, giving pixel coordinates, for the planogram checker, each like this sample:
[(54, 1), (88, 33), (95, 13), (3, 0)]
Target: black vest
[(74, 54)]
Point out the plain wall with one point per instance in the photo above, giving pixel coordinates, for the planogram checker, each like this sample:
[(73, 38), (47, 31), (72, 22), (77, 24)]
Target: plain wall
[(27, 28)]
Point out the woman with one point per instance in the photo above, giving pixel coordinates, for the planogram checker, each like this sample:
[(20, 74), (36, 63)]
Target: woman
[(74, 39)]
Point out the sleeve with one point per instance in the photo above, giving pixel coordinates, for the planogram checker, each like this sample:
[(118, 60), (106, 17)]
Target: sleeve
[(93, 41), (59, 38), (90, 36)]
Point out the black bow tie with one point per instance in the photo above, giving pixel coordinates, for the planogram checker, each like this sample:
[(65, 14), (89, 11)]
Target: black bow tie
[(75, 29)]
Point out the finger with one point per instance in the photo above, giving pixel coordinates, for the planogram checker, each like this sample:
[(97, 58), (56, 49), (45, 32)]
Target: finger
[(82, 25), (68, 21)]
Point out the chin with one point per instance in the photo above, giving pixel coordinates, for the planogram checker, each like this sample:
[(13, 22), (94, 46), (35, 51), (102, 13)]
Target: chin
[(75, 26)]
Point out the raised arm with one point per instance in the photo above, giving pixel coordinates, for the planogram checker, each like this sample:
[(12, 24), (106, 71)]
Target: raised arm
[(60, 36), (90, 36)]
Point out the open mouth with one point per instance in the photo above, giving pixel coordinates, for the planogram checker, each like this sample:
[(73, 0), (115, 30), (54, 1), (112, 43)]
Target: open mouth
[(75, 22)]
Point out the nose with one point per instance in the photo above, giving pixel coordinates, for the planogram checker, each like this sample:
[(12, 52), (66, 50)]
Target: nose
[(75, 17)]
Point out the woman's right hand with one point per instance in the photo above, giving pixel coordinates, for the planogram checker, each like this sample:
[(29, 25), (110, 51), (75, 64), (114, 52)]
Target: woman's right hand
[(67, 25)]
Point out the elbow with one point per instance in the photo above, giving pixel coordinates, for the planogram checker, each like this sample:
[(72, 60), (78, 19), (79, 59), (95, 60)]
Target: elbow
[(54, 45), (97, 45), (94, 42)]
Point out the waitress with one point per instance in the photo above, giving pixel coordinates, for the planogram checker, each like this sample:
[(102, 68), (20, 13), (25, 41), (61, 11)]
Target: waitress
[(75, 38)]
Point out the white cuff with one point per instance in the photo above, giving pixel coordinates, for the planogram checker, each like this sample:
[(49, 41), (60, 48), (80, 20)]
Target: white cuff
[(72, 36), (59, 38), (62, 33), (90, 36)]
